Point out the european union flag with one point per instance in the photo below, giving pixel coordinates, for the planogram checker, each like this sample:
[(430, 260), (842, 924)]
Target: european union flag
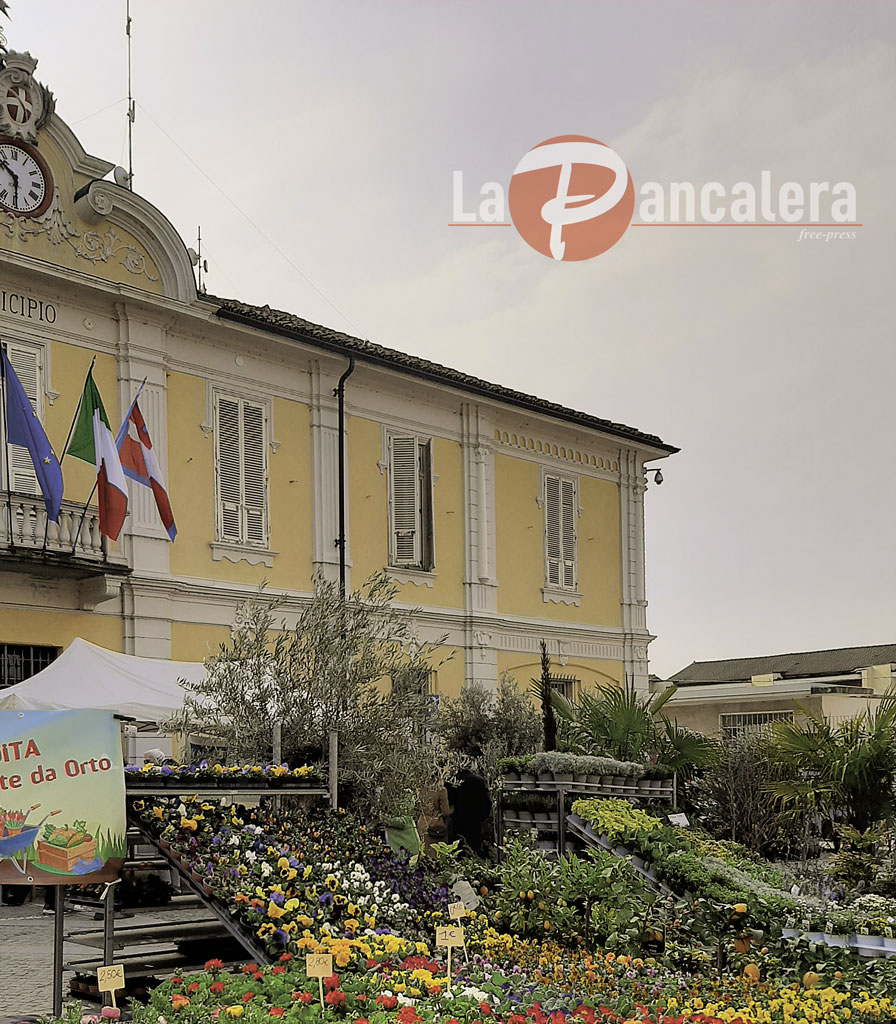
[(24, 428)]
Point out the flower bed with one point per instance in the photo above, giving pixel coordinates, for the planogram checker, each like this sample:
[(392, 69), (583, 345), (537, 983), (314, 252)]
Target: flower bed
[(284, 880), (553, 941), (219, 776)]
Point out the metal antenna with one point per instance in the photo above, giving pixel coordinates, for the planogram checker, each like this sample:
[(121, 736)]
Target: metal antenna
[(201, 263), (131, 111)]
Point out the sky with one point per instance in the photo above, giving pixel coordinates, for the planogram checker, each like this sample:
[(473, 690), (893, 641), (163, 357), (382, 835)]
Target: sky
[(315, 144)]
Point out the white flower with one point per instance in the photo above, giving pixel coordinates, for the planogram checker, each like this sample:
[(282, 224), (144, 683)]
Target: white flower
[(251, 856), (266, 869)]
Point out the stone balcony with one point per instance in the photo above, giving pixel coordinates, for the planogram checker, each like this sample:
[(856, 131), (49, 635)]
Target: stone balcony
[(71, 548)]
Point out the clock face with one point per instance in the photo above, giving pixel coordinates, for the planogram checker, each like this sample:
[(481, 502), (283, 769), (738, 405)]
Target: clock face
[(25, 184)]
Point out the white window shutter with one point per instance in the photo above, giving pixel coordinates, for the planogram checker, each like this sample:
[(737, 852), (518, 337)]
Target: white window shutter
[(404, 501), (552, 530), (26, 362), (254, 474), (229, 449), (568, 532)]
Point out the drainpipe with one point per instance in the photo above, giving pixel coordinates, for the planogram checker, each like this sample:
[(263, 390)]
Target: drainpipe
[(339, 392)]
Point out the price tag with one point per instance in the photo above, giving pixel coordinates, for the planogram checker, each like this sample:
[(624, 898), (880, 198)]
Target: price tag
[(110, 978), (448, 937), (319, 965), (457, 910), (465, 892), (679, 820)]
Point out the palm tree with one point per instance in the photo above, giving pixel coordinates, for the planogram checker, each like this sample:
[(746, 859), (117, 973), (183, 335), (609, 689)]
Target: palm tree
[(849, 771), (623, 724)]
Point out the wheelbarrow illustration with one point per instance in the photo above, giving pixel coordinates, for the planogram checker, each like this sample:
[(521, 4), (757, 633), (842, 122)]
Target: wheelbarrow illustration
[(22, 841)]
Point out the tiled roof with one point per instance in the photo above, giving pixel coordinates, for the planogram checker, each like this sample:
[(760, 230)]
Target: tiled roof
[(263, 317), (806, 664)]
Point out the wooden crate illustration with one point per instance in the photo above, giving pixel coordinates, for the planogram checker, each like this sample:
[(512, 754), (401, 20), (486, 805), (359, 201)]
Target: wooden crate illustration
[(65, 858)]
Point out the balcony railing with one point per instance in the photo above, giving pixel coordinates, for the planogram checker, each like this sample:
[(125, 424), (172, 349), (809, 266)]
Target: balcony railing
[(24, 527)]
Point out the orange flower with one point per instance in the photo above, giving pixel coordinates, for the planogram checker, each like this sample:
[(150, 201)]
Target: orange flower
[(178, 1002)]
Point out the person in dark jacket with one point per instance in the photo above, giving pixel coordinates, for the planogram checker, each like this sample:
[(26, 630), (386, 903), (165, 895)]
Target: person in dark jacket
[(472, 805)]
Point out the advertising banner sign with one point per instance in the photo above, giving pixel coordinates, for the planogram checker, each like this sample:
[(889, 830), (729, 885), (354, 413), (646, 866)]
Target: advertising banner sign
[(62, 818)]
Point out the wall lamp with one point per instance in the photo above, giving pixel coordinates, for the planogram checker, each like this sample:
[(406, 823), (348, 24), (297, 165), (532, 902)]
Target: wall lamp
[(657, 475)]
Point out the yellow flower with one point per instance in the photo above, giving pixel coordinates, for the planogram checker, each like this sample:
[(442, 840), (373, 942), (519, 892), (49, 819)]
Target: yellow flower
[(274, 911), (234, 1011)]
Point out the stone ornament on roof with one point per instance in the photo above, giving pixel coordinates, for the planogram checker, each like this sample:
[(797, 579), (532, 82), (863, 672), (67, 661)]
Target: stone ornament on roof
[(25, 104)]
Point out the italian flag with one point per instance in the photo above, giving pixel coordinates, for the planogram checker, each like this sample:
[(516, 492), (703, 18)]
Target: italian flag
[(93, 442)]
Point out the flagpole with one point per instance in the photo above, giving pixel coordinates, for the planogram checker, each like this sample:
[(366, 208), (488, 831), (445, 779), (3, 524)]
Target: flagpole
[(6, 447), (130, 409), (77, 533), (71, 429), (65, 452)]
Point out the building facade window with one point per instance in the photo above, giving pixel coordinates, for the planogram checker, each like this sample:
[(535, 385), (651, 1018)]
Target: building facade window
[(19, 470), (410, 503), (566, 686), (560, 513), (731, 726), (241, 477), (19, 662)]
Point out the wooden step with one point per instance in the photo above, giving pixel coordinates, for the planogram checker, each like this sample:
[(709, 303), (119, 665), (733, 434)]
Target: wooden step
[(130, 935)]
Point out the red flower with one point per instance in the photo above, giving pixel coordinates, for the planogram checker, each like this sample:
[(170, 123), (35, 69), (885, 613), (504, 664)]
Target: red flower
[(176, 981), (193, 986), (304, 997), (387, 1002), (486, 1010), (285, 958), (277, 970), (331, 983), (250, 968), (407, 1015), (247, 996), (276, 1012), (360, 1020), (216, 986), (257, 976), (360, 998), (214, 965), (370, 963), (178, 1001), (335, 999)]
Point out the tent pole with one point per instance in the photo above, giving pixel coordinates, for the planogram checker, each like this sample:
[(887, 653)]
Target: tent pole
[(58, 940)]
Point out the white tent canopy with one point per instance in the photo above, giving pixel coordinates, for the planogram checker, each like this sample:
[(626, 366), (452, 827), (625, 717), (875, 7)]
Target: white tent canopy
[(87, 676)]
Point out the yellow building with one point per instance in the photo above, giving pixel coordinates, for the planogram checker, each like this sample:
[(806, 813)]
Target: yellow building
[(504, 518)]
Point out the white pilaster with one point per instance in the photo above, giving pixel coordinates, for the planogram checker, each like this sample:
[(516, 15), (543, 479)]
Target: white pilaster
[(634, 603), (480, 584), (146, 624)]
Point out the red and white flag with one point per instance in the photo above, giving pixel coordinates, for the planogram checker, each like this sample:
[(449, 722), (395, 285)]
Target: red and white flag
[(138, 460)]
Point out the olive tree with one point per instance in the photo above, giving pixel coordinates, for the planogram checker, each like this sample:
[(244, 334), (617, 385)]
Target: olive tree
[(349, 665)]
